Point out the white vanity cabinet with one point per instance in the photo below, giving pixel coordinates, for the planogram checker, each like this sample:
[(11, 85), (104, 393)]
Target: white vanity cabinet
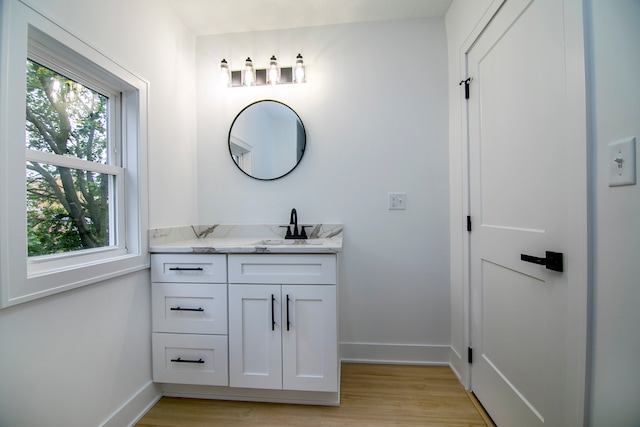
[(283, 321), (189, 319)]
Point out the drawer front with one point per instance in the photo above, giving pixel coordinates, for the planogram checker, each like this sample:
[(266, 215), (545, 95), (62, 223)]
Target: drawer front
[(283, 269), (194, 308), (190, 359), (190, 268)]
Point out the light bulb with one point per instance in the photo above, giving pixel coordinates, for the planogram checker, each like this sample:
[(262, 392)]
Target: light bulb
[(225, 74), (248, 74), (273, 73), (298, 72)]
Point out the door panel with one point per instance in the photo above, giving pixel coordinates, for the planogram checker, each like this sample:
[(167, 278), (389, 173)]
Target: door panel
[(520, 82), (519, 202), (503, 291)]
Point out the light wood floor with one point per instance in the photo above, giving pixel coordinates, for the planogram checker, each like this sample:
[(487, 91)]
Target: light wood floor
[(371, 395)]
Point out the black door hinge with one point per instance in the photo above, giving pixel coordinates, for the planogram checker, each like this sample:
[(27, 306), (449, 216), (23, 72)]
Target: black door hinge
[(469, 223), (466, 87), (470, 354)]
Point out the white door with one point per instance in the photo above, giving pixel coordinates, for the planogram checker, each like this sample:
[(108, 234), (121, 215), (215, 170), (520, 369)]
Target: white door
[(309, 338), (522, 170), (255, 336)]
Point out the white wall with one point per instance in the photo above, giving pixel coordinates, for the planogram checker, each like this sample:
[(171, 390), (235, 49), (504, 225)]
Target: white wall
[(76, 358), (615, 108), (375, 111)]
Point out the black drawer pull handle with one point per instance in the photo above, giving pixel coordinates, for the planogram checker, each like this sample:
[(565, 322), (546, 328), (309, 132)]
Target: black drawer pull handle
[(186, 268), (179, 360), (186, 309), (553, 260)]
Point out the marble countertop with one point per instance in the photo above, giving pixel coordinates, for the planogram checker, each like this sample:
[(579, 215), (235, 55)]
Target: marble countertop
[(244, 238)]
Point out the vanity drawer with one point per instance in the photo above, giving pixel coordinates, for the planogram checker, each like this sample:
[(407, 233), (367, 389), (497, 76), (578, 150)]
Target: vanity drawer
[(194, 308), (190, 359), (283, 269), (190, 268)]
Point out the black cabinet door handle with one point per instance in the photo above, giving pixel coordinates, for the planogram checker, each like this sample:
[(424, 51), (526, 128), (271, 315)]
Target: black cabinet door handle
[(287, 312), (273, 315), (186, 309), (553, 261)]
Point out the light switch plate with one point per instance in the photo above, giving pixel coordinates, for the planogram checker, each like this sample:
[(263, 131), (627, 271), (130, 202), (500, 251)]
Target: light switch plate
[(397, 201), (622, 162)]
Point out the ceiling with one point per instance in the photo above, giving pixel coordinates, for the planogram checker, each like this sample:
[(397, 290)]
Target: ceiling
[(235, 16)]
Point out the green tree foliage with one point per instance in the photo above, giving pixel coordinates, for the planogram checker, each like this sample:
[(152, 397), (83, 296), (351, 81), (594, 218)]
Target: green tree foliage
[(67, 209)]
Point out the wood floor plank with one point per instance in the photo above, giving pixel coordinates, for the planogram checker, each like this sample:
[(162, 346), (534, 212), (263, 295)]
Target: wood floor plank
[(371, 395)]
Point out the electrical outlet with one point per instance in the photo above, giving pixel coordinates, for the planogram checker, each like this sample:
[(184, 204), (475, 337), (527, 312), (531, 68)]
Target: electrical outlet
[(397, 201)]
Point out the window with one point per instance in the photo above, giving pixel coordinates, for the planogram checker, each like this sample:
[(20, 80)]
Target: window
[(72, 162), (241, 154), (72, 213)]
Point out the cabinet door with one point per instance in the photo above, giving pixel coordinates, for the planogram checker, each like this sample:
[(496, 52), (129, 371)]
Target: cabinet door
[(255, 336), (309, 338)]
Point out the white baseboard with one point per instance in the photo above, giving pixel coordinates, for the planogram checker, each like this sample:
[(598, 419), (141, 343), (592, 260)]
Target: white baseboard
[(135, 408), (411, 354)]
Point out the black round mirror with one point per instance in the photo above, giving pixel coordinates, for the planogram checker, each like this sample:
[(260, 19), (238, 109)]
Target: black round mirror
[(267, 140)]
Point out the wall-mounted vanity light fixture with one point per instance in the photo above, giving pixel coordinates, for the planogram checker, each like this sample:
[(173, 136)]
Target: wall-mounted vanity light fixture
[(273, 75)]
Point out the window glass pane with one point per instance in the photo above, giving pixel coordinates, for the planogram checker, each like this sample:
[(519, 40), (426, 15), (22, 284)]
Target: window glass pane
[(67, 209), (65, 117)]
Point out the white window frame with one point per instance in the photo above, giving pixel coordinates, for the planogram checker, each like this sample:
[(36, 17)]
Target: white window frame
[(242, 151), (27, 34)]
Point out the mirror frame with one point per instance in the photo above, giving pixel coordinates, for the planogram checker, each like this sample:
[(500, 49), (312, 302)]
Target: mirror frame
[(304, 133)]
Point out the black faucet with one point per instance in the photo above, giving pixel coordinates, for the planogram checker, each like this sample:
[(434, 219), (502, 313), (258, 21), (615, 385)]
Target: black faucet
[(293, 221)]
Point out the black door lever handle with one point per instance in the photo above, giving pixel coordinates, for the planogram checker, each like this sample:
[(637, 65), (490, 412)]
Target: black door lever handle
[(553, 261)]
